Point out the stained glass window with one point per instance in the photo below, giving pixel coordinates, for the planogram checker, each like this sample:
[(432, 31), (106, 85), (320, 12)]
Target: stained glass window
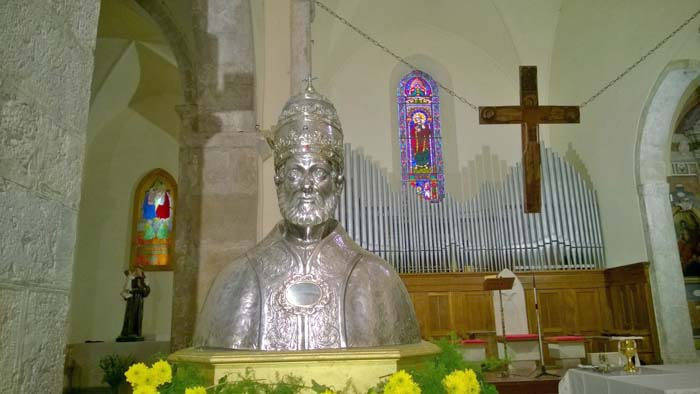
[(154, 222), (419, 136)]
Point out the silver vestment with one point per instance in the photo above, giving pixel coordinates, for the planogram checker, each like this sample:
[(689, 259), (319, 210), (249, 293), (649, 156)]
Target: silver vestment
[(362, 301), (307, 285)]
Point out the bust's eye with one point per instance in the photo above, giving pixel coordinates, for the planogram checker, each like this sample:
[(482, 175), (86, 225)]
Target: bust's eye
[(320, 174), (294, 174)]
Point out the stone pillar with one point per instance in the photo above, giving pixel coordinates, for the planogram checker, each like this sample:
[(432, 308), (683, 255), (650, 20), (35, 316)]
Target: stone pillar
[(668, 293), (300, 41), (218, 186), (45, 76)]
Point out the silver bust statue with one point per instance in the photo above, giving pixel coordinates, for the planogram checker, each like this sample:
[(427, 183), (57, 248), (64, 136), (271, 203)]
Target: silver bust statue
[(307, 285)]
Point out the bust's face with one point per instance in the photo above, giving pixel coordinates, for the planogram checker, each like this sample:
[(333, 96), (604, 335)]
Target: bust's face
[(307, 187)]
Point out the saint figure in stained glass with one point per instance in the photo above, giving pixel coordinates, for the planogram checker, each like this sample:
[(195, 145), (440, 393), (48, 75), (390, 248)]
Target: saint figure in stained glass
[(420, 143), (419, 134), (154, 203)]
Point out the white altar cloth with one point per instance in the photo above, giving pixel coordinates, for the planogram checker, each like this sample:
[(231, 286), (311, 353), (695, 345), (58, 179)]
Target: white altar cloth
[(654, 379)]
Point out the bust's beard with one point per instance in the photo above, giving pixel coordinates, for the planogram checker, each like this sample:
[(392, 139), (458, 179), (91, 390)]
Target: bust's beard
[(303, 213)]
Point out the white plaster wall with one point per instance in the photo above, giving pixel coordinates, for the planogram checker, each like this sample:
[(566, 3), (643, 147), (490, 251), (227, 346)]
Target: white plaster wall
[(45, 74), (479, 44), (119, 155), (475, 46), (596, 40)]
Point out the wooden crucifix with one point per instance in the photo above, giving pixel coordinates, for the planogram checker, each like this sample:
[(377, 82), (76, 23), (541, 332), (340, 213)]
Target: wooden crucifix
[(530, 114)]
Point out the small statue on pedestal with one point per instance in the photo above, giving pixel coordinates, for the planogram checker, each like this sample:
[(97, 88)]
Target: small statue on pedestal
[(135, 290)]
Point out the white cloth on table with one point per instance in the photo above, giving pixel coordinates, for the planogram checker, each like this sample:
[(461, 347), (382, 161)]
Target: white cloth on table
[(656, 379)]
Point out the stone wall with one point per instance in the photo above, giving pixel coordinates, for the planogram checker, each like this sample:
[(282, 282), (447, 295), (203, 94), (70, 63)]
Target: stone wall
[(45, 74)]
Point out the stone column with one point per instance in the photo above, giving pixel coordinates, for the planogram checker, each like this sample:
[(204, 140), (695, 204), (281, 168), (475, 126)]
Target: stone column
[(218, 186), (668, 293), (300, 40), (45, 76)]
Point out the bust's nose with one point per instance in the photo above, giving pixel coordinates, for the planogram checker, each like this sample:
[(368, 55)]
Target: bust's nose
[(307, 185)]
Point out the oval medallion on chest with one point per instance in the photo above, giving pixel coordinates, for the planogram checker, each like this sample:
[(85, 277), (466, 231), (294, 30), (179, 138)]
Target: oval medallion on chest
[(303, 294)]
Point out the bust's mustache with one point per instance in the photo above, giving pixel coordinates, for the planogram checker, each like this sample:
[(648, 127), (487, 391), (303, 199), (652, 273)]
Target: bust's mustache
[(305, 209)]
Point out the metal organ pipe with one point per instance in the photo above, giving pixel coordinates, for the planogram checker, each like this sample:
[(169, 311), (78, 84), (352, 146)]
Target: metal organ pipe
[(487, 232)]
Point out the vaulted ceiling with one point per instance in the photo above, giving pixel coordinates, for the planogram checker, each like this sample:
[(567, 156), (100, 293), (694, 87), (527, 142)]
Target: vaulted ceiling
[(134, 68)]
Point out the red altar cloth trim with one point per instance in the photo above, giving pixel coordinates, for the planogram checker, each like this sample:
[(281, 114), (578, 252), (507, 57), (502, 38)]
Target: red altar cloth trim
[(565, 338), (519, 337), (473, 342)]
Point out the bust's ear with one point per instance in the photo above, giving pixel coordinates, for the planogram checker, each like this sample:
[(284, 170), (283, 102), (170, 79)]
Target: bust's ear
[(277, 179), (339, 183)]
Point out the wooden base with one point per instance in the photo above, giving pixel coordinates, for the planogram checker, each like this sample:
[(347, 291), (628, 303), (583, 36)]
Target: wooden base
[(514, 384), (365, 367)]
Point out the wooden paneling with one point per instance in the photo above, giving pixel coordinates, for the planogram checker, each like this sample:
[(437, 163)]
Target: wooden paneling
[(615, 301), (588, 320), (631, 308), (473, 312), (440, 321)]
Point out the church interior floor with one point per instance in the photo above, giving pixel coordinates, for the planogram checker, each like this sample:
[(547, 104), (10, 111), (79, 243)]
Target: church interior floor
[(518, 384)]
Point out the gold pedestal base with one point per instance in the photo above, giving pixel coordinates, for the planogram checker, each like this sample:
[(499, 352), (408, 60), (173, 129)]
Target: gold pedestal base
[(331, 367)]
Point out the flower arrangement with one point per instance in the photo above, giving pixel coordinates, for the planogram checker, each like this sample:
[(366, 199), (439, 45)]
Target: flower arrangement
[(461, 382), (401, 383), (145, 380), (445, 373)]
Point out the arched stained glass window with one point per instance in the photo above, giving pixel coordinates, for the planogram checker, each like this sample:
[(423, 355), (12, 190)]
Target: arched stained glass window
[(153, 228), (419, 136)]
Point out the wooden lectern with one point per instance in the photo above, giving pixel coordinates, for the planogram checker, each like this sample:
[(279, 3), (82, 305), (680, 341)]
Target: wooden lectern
[(492, 283)]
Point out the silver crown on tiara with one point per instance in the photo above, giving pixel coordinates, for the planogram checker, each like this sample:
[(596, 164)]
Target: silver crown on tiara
[(308, 124)]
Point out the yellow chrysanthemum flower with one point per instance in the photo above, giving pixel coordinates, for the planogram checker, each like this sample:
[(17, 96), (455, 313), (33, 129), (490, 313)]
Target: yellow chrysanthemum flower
[(461, 382), (401, 383), (327, 392), (145, 390), (162, 372), (136, 373), (196, 390), (149, 378)]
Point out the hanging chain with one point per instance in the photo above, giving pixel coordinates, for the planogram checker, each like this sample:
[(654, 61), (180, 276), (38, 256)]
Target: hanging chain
[(392, 54), (641, 59), (475, 107)]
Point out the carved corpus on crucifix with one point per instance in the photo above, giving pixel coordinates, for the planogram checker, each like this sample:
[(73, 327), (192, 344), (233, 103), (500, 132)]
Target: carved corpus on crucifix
[(530, 114)]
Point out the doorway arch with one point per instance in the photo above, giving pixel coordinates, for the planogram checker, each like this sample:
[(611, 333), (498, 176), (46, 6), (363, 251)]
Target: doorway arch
[(676, 82)]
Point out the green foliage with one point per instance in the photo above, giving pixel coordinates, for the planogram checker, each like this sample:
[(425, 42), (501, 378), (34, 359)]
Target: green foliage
[(319, 388), (155, 357), (493, 364), (184, 376), (429, 376), (247, 384), (114, 366), (188, 375)]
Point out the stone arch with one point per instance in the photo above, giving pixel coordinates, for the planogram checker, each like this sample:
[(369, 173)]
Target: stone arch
[(676, 82), (161, 15)]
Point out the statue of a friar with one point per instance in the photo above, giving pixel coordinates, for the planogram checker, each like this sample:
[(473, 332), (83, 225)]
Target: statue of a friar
[(307, 285)]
